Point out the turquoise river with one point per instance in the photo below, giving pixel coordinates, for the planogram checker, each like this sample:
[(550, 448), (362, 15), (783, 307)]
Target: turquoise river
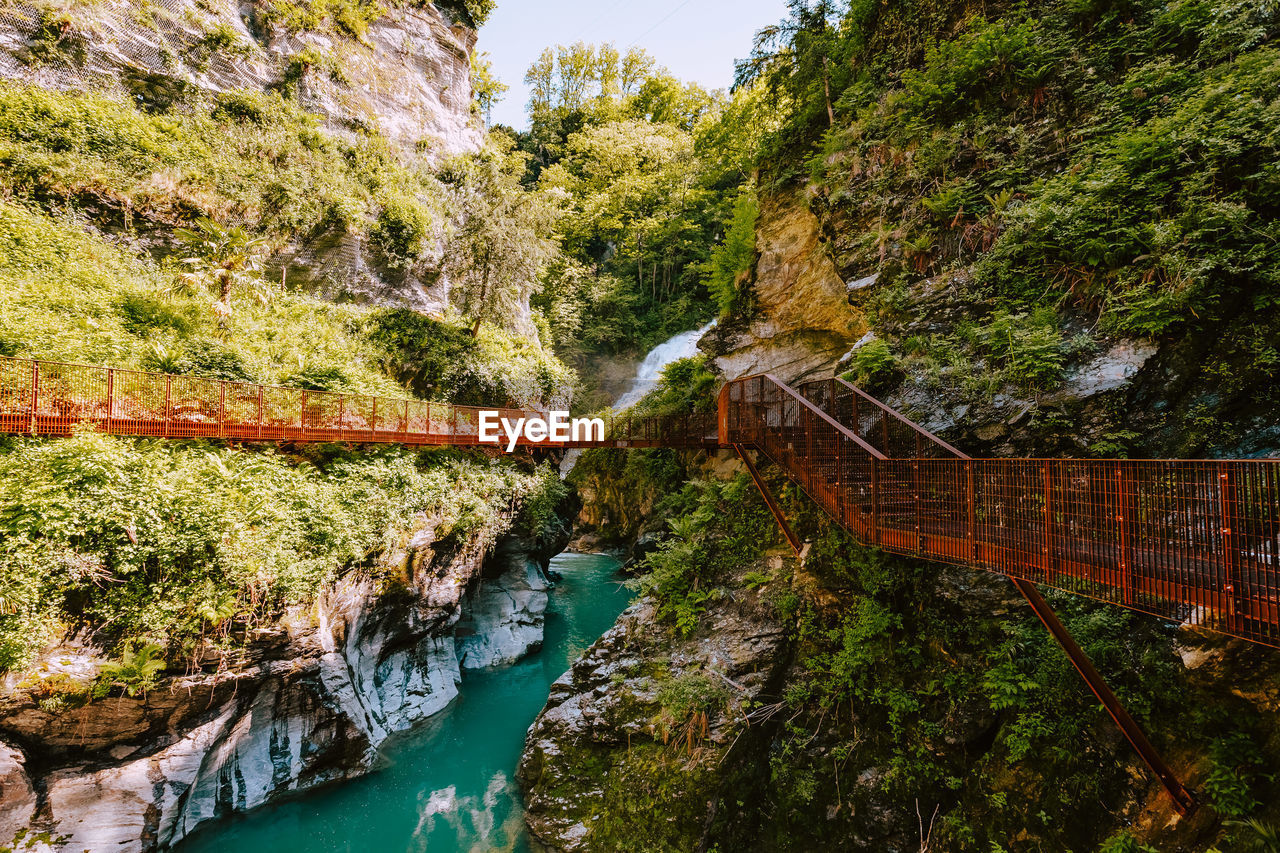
[(450, 785)]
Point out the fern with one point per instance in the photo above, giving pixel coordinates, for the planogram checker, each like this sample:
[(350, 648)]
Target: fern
[(135, 672)]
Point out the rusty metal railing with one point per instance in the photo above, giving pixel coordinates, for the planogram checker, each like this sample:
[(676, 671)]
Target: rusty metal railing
[(1190, 541), (884, 428), (49, 398)]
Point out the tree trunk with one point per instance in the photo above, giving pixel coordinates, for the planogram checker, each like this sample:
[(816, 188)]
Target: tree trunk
[(484, 297), (826, 86)]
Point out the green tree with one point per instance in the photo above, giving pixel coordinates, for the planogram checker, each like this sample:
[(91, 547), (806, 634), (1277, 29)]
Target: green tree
[(506, 238), (488, 88), (228, 258)]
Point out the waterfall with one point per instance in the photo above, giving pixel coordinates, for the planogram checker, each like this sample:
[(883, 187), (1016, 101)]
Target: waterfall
[(677, 347)]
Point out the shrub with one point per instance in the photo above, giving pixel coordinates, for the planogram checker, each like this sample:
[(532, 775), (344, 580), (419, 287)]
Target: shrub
[(687, 702), (873, 365), (1235, 769), (135, 672), (402, 232), (215, 361), (734, 256), (319, 378), (717, 528)]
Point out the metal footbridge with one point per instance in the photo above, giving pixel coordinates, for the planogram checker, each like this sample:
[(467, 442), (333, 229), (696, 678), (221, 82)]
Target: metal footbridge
[(1192, 541)]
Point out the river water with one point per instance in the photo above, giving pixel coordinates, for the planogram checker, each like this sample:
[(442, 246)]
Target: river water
[(450, 785)]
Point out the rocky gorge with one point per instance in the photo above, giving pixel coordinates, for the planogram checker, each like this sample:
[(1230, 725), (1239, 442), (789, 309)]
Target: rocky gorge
[(305, 704), (725, 727)]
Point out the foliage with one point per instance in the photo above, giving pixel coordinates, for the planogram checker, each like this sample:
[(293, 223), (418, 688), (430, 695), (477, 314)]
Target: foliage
[(246, 160), (134, 672), (65, 295), (1235, 771), (686, 703), (1125, 843), (349, 17), (1072, 168), (227, 258), (734, 257), (488, 88), (506, 238), (161, 541), (873, 364), (1026, 346), (617, 137), (686, 386), (1259, 836), (716, 530), (440, 360), (401, 232)]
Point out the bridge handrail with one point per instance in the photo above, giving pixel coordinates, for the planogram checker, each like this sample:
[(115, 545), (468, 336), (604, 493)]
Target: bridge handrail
[(43, 397), (783, 388), (921, 435)]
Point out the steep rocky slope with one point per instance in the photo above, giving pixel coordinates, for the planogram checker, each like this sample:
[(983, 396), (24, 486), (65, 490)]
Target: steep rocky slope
[(306, 703), (406, 75), (402, 76)]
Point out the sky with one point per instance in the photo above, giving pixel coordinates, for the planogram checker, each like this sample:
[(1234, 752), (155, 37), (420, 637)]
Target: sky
[(697, 39)]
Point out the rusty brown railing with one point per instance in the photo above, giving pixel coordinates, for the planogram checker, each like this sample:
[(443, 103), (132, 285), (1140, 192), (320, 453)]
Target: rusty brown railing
[(884, 428), (54, 399), (1190, 541)]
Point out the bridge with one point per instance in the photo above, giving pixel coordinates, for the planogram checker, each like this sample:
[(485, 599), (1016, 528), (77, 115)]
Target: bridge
[(1191, 541)]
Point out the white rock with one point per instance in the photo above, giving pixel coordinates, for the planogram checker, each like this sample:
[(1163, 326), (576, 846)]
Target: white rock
[(17, 798)]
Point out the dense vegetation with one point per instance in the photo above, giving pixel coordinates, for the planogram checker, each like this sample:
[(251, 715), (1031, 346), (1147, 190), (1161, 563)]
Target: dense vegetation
[(651, 170), (917, 686), (186, 547), (1077, 171), (158, 238), (1057, 176)]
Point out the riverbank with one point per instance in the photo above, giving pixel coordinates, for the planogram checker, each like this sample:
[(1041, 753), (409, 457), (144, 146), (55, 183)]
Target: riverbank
[(450, 783)]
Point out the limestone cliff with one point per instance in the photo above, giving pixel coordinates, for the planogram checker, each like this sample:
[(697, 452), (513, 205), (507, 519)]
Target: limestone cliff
[(802, 320), (408, 75), (308, 702), (405, 75)]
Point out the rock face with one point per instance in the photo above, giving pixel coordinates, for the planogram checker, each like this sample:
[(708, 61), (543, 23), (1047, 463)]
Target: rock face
[(803, 321), (607, 712), (407, 77), (503, 619), (309, 704), (17, 796)]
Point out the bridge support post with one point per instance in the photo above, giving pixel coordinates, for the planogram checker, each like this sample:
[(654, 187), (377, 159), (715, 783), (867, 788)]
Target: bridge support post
[(1183, 801), (35, 396), (769, 499)]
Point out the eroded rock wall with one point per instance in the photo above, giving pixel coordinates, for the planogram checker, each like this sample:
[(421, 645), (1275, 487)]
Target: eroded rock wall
[(803, 320), (601, 747), (309, 703), (407, 77)]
